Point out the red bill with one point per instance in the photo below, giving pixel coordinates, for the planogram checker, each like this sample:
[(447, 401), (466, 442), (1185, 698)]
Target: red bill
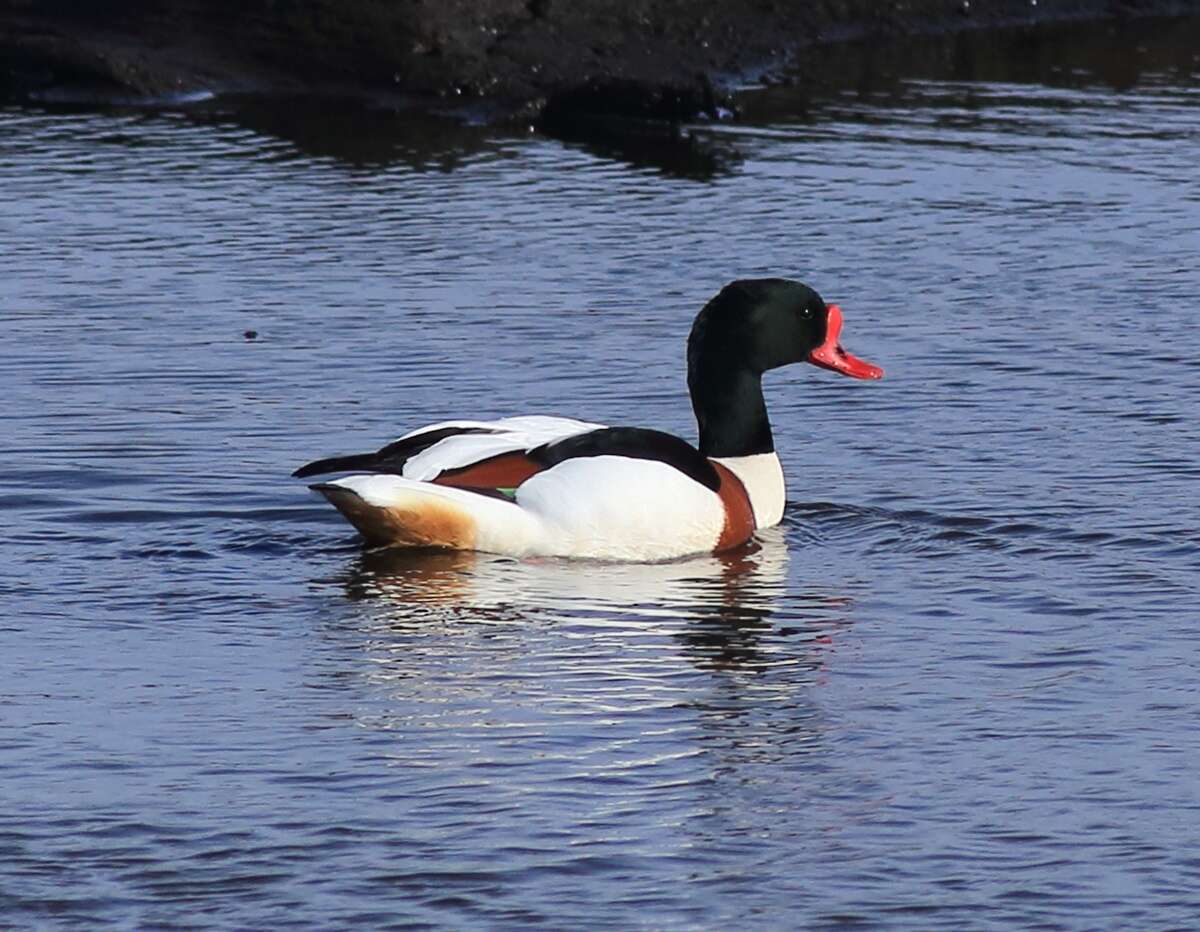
[(830, 355)]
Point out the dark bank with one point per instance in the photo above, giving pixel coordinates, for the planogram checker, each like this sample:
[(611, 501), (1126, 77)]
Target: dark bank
[(514, 53)]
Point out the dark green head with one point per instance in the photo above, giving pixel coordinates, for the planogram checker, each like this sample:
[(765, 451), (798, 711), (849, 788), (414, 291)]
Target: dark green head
[(758, 324), (751, 326)]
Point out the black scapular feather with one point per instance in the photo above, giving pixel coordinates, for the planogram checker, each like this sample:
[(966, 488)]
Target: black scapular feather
[(389, 459), (634, 442)]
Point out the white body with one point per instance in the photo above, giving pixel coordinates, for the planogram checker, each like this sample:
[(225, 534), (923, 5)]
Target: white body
[(601, 507)]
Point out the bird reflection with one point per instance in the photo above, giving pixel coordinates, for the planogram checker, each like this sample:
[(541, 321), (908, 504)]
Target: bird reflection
[(411, 576), (721, 608)]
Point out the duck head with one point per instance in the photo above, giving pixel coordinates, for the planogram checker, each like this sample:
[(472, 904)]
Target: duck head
[(765, 323), (751, 326)]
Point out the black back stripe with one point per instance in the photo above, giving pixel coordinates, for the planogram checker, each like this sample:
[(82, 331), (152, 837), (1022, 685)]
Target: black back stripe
[(389, 459), (635, 443)]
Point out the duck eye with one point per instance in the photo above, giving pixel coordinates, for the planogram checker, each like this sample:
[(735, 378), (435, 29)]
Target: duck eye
[(806, 312)]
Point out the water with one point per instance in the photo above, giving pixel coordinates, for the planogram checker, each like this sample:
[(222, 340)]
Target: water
[(953, 690)]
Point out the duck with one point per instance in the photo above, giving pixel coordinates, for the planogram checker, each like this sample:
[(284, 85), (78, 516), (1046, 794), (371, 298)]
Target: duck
[(534, 486)]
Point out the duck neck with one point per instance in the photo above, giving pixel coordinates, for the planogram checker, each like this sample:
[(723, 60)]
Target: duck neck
[(730, 411)]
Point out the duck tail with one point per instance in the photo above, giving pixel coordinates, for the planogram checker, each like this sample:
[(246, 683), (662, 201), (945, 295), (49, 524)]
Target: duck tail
[(410, 518), (392, 511)]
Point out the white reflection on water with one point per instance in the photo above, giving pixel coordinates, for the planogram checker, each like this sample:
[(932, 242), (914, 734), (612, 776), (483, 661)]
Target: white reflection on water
[(725, 611)]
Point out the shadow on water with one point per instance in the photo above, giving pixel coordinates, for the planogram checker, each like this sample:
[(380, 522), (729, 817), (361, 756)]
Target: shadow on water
[(353, 132), (358, 134), (366, 135), (671, 150), (1113, 55)]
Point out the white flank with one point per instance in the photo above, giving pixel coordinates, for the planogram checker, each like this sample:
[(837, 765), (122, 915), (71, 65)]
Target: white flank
[(762, 475), (511, 434), (600, 507), (619, 508)]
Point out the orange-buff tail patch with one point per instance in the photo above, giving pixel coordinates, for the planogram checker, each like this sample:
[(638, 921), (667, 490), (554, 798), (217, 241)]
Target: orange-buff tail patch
[(429, 523)]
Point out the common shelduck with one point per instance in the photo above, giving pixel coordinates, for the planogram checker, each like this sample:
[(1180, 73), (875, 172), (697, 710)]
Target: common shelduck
[(553, 486)]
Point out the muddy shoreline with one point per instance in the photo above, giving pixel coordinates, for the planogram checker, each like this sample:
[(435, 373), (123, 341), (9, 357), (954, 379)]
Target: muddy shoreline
[(656, 58)]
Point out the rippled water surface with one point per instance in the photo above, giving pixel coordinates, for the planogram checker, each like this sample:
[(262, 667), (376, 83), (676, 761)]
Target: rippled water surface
[(957, 688)]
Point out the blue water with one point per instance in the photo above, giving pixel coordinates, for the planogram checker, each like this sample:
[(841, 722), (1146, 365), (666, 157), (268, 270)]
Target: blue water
[(955, 689)]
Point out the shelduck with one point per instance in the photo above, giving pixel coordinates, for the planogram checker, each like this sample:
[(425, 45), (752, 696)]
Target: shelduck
[(554, 486)]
